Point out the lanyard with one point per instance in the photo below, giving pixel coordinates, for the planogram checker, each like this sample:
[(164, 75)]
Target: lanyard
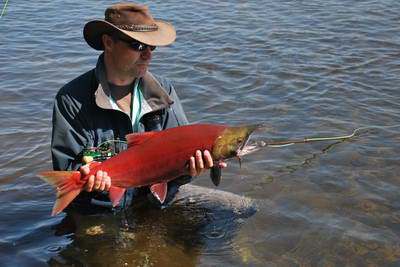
[(136, 105)]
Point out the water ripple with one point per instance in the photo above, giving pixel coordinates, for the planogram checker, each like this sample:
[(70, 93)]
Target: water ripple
[(302, 68)]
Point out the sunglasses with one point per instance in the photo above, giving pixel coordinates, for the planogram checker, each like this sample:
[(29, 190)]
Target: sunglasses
[(138, 46)]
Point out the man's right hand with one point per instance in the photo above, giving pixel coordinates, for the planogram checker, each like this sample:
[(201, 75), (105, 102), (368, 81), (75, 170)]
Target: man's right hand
[(99, 182)]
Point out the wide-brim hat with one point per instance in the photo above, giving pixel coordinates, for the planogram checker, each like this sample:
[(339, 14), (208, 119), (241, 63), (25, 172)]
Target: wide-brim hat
[(133, 21)]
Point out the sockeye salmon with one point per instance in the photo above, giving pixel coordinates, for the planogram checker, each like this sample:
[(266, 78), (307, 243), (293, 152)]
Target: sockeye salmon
[(155, 158)]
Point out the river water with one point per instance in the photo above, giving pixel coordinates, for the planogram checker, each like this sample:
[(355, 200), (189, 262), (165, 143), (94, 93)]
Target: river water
[(313, 68)]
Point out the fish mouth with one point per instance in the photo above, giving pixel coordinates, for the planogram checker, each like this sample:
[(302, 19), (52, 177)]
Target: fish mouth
[(250, 147)]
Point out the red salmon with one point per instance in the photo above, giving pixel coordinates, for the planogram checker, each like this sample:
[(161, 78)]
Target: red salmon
[(153, 159)]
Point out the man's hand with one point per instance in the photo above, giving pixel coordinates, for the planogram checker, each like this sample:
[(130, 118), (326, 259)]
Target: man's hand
[(201, 162), (99, 182)]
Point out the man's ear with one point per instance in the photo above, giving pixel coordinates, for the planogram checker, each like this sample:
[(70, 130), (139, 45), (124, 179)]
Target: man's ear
[(107, 42)]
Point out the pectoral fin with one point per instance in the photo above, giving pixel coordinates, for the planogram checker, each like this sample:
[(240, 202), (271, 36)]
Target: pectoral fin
[(116, 194), (215, 174), (159, 191)]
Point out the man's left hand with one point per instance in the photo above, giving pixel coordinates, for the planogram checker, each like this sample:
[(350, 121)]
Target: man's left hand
[(201, 162)]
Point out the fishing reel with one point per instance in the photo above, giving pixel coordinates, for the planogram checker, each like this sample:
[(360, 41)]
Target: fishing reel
[(109, 148), (102, 153)]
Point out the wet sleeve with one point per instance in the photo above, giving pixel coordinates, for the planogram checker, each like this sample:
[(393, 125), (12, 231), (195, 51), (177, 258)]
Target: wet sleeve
[(68, 134)]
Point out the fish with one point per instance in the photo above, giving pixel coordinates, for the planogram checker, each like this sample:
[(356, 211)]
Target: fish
[(155, 158)]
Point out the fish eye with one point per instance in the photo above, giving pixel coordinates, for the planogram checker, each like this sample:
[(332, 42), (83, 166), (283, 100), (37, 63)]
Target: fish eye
[(239, 141)]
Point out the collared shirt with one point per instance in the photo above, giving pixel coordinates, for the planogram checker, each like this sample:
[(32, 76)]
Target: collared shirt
[(136, 99)]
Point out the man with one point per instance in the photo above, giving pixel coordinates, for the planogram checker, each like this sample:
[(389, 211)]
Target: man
[(116, 98)]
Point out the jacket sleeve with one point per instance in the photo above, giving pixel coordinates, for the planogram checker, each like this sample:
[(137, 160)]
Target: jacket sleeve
[(68, 136), (179, 119), (177, 108)]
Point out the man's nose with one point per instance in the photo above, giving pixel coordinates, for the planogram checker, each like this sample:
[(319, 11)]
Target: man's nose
[(147, 54)]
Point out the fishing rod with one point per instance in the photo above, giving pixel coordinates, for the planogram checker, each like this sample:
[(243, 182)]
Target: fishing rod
[(319, 139), (310, 140), (257, 145)]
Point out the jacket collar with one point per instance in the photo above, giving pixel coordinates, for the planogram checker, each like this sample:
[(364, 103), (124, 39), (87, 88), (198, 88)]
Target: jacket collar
[(155, 97)]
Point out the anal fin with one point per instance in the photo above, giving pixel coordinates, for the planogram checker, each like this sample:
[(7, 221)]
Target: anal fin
[(159, 191), (116, 194)]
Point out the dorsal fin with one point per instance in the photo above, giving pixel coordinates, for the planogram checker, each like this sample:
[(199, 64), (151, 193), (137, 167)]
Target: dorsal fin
[(138, 138)]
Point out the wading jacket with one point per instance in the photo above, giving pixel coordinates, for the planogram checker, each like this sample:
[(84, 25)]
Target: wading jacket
[(83, 117)]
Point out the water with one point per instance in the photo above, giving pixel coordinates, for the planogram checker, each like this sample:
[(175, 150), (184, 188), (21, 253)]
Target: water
[(303, 68)]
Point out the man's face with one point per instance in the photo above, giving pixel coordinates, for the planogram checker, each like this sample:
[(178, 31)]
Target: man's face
[(128, 61)]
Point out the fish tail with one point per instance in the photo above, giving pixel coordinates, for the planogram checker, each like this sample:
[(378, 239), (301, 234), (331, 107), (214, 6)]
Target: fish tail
[(68, 185)]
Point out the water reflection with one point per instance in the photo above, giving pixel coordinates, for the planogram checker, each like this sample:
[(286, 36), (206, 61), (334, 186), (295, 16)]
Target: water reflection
[(197, 224)]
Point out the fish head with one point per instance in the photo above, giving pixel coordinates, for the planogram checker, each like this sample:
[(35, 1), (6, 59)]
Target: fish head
[(232, 141)]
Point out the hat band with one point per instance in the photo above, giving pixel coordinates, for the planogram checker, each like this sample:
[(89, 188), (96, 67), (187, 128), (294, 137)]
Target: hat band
[(138, 27)]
